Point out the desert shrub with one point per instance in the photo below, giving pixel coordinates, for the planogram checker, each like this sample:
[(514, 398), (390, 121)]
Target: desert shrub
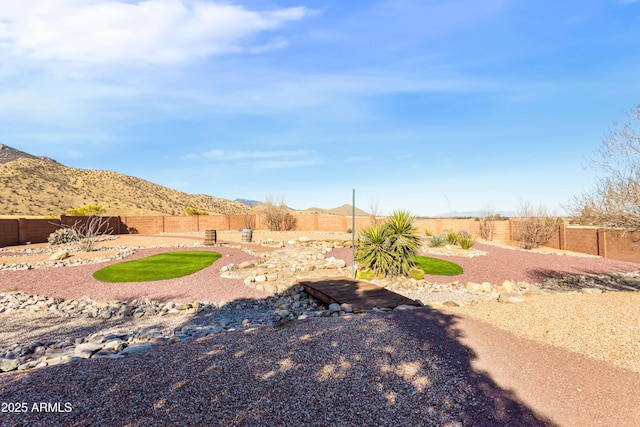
[(87, 233), (536, 226), (450, 236), (249, 221), (465, 240), (416, 272), (428, 232), (63, 236), (194, 211), (88, 210), (389, 248), (277, 215), (289, 222), (436, 241), (365, 274)]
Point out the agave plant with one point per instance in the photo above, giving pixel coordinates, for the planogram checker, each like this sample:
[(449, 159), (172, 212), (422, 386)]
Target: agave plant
[(389, 248), (374, 251)]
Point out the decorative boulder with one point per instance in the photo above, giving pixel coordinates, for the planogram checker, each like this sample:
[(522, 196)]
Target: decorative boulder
[(59, 255)]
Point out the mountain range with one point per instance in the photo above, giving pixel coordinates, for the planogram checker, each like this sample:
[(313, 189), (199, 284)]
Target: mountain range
[(40, 186)]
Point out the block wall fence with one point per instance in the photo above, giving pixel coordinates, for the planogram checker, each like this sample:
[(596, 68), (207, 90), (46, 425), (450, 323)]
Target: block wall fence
[(595, 241)]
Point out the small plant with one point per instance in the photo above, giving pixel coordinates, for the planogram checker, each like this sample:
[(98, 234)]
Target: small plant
[(194, 211), (465, 240), (88, 210), (365, 274), (63, 236), (436, 241), (450, 236), (428, 232), (416, 272), (349, 230)]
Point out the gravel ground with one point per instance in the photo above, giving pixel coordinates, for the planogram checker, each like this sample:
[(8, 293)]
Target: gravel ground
[(403, 368), (307, 373), (605, 326), (423, 367), (77, 281), (502, 264)]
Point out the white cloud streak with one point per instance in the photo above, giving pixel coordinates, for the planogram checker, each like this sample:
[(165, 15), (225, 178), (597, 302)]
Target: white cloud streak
[(275, 159), (138, 33)]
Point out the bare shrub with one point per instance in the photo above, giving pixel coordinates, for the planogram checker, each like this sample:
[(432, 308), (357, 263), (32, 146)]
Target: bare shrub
[(615, 200), (249, 221), (488, 222), (277, 215), (536, 226), (88, 232)]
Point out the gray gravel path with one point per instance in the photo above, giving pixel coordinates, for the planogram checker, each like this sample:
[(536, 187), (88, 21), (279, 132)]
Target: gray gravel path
[(392, 369), (422, 367)]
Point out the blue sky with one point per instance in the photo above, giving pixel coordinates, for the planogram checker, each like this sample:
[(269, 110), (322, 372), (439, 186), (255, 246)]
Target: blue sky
[(428, 106)]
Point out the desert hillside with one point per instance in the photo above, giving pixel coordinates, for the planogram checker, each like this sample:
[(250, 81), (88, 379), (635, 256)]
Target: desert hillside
[(344, 210), (40, 186)]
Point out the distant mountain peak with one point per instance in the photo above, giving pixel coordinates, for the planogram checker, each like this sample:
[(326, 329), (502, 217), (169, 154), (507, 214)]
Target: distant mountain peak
[(249, 202), (9, 154)]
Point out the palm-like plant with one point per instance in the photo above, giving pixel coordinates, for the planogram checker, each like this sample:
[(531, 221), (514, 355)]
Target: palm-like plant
[(374, 251), (404, 241), (389, 248)]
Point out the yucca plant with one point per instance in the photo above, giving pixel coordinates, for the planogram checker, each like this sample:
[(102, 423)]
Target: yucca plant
[(389, 248), (405, 241), (374, 249)]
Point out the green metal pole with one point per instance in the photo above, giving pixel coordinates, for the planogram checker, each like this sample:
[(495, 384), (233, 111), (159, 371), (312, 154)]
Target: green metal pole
[(353, 234)]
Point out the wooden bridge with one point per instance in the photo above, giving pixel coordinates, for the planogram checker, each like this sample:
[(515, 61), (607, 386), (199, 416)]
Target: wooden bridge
[(361, 296)]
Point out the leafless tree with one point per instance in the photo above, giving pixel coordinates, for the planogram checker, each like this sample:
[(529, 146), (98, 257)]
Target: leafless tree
[(487, 222), (615, 199), (89, 231), (277, 215), (535, 225), (374, 210)]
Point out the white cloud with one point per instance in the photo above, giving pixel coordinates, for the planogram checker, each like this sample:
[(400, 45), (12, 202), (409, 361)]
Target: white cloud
[(222, 155), (144, 32)]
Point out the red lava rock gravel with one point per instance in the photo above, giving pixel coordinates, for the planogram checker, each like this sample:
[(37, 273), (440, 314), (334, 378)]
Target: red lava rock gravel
[(502, 264), (77, 281)]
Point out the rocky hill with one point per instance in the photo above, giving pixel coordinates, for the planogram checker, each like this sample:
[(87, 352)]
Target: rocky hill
[(344, 210), (8, 154), (32, 185)]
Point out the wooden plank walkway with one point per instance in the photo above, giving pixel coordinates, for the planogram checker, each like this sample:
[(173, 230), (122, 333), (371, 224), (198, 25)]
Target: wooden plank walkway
[(361, 296)]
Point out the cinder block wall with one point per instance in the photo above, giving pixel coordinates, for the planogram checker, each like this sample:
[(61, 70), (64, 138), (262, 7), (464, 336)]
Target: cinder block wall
[(583, 240), (607, 243), (144, 224), (624, 248), (9, 232), (36, 230)]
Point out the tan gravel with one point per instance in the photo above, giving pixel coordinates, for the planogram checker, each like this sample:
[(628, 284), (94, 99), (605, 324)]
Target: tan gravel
[(605, 326)]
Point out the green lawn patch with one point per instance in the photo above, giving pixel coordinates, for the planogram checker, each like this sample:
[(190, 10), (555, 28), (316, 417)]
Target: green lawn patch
[(438, 267), (164, 266)]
